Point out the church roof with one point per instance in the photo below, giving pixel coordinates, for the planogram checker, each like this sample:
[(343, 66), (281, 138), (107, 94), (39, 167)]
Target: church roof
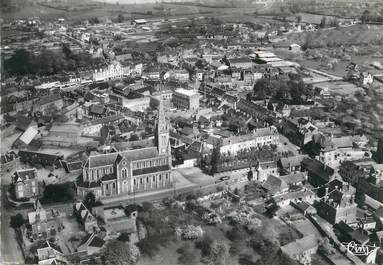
[(149, 170), (132, 155)]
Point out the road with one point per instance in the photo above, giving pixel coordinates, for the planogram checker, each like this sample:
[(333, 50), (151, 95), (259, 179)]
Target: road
[(10, 252)]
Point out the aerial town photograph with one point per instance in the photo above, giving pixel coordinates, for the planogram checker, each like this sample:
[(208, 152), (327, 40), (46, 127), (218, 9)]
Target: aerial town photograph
[(191, 132)]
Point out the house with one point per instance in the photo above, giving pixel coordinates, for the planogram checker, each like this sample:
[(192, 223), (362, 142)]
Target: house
[(50, 253), (44, 223), (302, 249), (295, 47), (9, 161), (260, 137), (304, 208), (291, 163), (91, 244), (241, 63), (275, 185), (318, 173), (294, 196), (85, 217), (117, 220), (293, 180), (40, 159), (298, 130), (49, 104), (366, 78), (338, 203), (26, 184)]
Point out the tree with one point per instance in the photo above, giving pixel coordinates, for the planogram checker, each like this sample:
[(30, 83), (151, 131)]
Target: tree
[(120, 253), (124, 237), (120, 18), (365, 16), (270, 106), (219, 252), (308, 42), (134, 137), (187, 255), (299, 19), (204, 245), (322, 23), (17, 221), (378, 155), (66, 50), (89, 200)]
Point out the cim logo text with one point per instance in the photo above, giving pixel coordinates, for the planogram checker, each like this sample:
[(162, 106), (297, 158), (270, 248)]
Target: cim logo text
[(359, 250)]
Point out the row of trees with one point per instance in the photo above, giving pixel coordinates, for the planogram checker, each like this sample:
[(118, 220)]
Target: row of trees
[(47, 62), (292, 90)]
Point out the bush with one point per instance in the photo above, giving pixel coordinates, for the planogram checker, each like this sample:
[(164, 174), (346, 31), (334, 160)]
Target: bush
[(17, 221)]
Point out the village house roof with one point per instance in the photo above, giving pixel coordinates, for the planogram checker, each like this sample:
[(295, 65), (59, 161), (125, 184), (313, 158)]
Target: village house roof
[(274, 184), (91, 240), (317, 168), (22, 175), (292, 161), (300, 246), (294, 178), (40, 158), (48, 244)]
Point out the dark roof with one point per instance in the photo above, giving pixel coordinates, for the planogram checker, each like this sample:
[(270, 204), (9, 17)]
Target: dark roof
[(26, 174), (97, 109), (92, 240), (47, 244), (148, 170), (317, 168), (108, 177), (39, 158), (49, 99)]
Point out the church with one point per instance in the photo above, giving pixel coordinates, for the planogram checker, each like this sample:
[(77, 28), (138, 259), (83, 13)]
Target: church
[(132, 171)]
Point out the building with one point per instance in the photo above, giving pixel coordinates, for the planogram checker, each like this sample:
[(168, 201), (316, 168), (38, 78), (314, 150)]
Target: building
[(113, 71), (186, 99), (132, 171), (338, 203), (242, 62), (44, 223), (260, 137), (302, 249), (117, 220), (318, 173), (91, 244), (50, 253), (9, 161), (85, 217), (26, 184)]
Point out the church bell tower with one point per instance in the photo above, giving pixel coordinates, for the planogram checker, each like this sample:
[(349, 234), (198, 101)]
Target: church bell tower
[(162, 134)]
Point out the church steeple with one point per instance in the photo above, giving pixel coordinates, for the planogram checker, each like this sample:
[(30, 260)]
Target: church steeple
[(162, 134)]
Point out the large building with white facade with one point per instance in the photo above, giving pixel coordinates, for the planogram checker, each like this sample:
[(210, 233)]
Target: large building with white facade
[(259, 138), (186, 99)]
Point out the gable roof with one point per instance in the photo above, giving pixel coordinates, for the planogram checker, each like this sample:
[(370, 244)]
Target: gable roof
[(131, 155), (91, 240), (25, 174), (299, 246), (292, 161), (293, 178), (274, 184)]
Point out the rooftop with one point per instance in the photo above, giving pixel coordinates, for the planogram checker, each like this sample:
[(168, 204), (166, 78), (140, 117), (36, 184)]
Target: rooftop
[(187, 92)]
